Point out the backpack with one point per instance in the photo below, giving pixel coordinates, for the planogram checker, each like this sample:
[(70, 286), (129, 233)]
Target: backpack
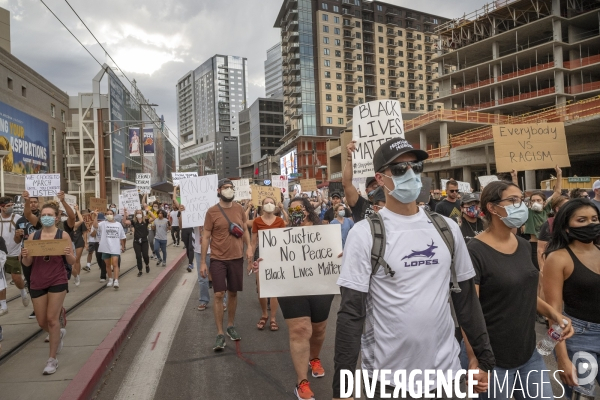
[(378, 249), (68, 267)]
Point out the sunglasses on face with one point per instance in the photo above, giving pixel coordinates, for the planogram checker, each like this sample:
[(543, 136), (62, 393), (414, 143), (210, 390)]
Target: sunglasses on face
[(295, 209), (400, 168), (452, 190)]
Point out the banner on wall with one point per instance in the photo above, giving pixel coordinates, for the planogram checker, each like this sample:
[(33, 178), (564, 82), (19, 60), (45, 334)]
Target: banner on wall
[(134, 142), (149, 141)]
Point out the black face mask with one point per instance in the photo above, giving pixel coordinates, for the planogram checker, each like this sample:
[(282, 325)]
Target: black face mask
[(585, 234)]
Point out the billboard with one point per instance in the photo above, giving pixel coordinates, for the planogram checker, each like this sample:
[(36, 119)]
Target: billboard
[(26, 139), (289, 164)]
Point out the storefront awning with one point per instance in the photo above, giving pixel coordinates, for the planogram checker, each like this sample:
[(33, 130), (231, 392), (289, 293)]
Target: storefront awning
[(166, 187)]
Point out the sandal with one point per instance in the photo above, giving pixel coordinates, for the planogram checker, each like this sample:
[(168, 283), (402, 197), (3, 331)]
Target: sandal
[(261, 323), (274, 326)]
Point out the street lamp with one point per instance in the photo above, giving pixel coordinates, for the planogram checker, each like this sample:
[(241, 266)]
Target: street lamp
[(80, 204), (3, 153)]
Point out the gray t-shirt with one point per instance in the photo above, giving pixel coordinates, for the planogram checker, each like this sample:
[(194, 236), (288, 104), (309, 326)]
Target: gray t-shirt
[(161, 228), (597, 203)]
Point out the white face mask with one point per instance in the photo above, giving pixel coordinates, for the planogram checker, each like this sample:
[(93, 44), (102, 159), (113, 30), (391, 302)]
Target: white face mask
[(537, 207), (269, 207), (110, 217), (63, 219), (342, 213), (138, 216), (227, 193)]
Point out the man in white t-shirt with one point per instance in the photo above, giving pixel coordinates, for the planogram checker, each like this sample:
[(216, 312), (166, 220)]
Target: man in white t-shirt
[(174, 221), (405, 313), (12, 265)]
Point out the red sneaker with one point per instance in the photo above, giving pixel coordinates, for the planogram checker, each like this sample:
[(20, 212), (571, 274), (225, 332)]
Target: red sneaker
[(316, 368), (303, 392)]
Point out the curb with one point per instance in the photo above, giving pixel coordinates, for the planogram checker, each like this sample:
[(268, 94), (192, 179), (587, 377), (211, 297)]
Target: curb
[(83, 384)]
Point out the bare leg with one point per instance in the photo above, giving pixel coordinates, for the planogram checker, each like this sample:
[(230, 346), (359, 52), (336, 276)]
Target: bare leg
[(317, 339), (231, 307), (218, 311), (18, 280), (300, 334), (262, 302), (274, 307), (115, 263), (55, 303), (89, 256), (77, 265)]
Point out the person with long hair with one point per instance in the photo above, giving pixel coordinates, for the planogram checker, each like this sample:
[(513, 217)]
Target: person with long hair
[(572, 281), (546, 233), (140, 238), (340, 218), (266, 220), (76, 233), (49, 284), (305, 316), (112, 244), (506, 282), (161, 227)]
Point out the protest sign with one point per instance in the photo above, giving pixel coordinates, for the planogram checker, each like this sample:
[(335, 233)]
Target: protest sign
[(486, 180), (242, 189), (98, 204), (198, 194), (308, 185), (463, 187), (50, 247), (373, 123), (42, 185), (69, 199), (260, 192), (178, 176), (142, 182), (129, 200), (526, 147), (300, 261), (152, 199), (281, 182), (425, 190), (88, 220)]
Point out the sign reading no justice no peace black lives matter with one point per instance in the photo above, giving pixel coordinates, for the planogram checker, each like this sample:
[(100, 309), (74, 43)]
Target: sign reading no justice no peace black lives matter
[(373, 123)]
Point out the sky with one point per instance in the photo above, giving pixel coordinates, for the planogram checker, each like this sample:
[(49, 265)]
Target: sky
[(156, 42)]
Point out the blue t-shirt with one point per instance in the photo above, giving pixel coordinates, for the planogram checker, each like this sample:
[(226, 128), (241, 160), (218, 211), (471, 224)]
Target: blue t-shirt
[(346, 226)]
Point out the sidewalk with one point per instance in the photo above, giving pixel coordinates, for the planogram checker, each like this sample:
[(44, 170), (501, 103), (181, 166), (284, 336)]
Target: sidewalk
[(88, 325)]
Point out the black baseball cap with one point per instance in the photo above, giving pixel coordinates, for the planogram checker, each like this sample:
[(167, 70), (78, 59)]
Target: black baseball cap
[(378, 196), (469, 198), (391, 149), (369, 180), (336, 194), (225, 181)]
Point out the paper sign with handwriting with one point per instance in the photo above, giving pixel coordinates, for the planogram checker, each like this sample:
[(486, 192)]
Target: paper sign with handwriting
[(50, 247), (69, 199), (198, 194), (260, 192), (526, 147), (151, 199), (281, 182), (42, 185), (242, 189), (463, 187), (373, 123), (300, 261), (178, 176), (129, 200), (142, 182), (485, 180), (98, 204), (308, 185)]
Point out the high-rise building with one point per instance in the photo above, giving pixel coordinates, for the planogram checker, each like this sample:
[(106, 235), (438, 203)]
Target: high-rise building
[(209, 100), (261, 129), (337, 55), (273, 73)]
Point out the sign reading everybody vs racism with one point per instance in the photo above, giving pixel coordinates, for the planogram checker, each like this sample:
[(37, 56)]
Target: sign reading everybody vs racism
[(373, 123), (300, 261)]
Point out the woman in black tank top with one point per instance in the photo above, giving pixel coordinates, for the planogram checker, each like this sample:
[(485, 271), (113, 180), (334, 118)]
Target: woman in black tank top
[(572, 277)]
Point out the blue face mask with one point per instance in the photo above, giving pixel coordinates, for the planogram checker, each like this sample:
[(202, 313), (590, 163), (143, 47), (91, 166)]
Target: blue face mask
[(515, 216), (48, 221), (406, 187)]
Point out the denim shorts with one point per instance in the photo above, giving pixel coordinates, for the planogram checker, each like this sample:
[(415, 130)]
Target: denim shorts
[(586, 339)]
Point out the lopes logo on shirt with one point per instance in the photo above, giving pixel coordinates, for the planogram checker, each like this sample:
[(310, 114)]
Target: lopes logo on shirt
[(427, 253)]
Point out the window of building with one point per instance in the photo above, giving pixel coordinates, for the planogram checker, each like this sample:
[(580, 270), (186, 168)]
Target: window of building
[(420, 56), (53, 110), (380, 29), (358, 46), (336, 20), (328, 108), (379, 8), (359, 57), (329, 120), (325, 7), (340, 109), (340, 121), (338, 86), (337, 31), (418, 27), (340, 98), (62, 115), (23, 91), (326, 52), (326, 40), (381, 60), (337, 42), (338, 75), (380, 39), (421, 107), (381, 50), (325, 16), (327, 63), (359, 67), (329, 131), (338, 53), (421, 76), (328, 86), (382, 92), (401, 75), (327, 74), (9, 83), (360, 89), (419, 47), (421, 97), (401, 63), (325, 28), (402, 95), (338, 64), (381, 71), (382, 81), (360, 78), (336, 9), (328, 97)]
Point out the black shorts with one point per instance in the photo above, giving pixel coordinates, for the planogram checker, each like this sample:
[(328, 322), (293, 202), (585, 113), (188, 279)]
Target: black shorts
[(316, 307), (227, 275), (35, 293)]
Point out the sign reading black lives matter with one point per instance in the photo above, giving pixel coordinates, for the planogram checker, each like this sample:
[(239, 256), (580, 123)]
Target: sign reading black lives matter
[(42, 185), (373, 123), (198, 194), (300, 261)]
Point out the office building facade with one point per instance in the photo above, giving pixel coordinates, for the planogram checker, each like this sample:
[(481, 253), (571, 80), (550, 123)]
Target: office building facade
[(274, 73)]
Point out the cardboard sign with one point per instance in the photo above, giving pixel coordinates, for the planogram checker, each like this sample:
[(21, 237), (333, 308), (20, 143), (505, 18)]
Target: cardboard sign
[(69, 199), (373, 123), (300, 261), (178, 176), (198, 194), (308, 185), (526, 147), (50, 247), (98, 204), (142, 182), (281, 182), (129, 200), (260, 192), (425, 190), (463, 187), (242, 189), (88, 220), (486, 180), (42, 185)]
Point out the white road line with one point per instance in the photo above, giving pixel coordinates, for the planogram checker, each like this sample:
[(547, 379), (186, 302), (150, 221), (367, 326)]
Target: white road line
[(145, 371)]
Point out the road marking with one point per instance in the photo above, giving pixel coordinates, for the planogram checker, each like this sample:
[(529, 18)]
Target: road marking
[(144, 373)]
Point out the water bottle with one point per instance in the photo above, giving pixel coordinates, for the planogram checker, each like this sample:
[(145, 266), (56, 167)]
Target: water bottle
[(546, 345), (585, 391)]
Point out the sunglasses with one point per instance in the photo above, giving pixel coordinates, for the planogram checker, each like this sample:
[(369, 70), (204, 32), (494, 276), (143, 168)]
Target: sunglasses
[(452, 190), (295, 209), (400, 168)]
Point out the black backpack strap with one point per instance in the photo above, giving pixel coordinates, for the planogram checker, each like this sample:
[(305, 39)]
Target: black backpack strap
[(378, 248), (37, 234)]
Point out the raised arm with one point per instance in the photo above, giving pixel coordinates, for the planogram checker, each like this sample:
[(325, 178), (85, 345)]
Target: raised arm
[(68, 209), (349, 189), (558, 186), (175, 202), (515, 177), (79, 220), (33, 220)]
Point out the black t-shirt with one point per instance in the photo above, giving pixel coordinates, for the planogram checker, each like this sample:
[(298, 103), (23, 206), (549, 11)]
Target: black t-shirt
[(140, 230), (508, 296), (76, 235), (545, 235), (471, 229), (330, 214), (448, 209), (3, 246), (433, 203), (361, 209), (28, 229)]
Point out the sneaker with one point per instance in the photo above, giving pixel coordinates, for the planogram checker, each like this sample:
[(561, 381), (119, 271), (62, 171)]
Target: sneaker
[(116, 284), (202, 307), (87, 268), (32, 315), (158, 262), (147, 269), (12, 282), (220, 344), (190, 268), (25, 300), (62, 318), (316, 368), (139, 273), (63, 332), (102, 280), (303, 392), (110, 282), (3, 311), (47, 340), (164, 264), (232, 333), (51, 366), (77, 280)]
